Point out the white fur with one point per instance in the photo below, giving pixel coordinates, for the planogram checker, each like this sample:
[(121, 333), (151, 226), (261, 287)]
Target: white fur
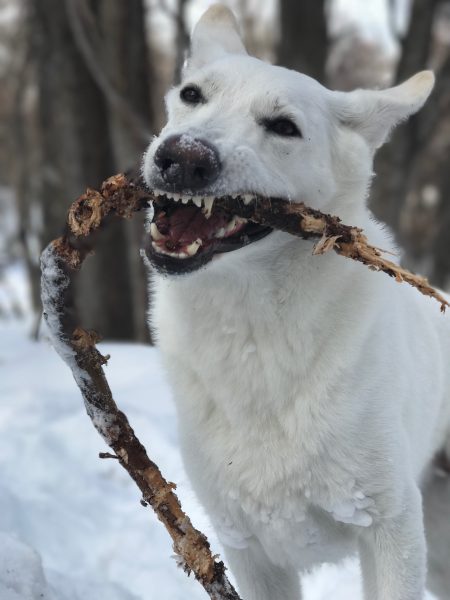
[(311, 392)]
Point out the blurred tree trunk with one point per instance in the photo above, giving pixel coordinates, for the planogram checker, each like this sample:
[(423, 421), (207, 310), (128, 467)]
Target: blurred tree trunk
[(95, 115), (126, 61), (394, 161), (20, 129), (75, 146), (412, 189), (303, 37), (181, 38), (437, 173)]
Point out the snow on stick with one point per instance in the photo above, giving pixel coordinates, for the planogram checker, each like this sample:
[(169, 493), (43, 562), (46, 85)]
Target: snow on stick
[(122, 197), (76, 347)]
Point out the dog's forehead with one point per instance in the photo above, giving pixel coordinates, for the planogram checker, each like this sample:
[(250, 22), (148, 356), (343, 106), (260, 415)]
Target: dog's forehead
[(252, 81)]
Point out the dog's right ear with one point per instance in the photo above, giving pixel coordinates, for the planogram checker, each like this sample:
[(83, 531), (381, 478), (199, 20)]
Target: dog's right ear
[(215, 35)]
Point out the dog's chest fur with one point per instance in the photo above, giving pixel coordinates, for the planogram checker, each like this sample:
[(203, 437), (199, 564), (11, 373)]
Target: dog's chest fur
[(263, 370)]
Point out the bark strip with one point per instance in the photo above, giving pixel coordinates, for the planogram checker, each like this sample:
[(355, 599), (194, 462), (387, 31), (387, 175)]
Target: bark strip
[(76, 346), (302, 221), (122, 197)]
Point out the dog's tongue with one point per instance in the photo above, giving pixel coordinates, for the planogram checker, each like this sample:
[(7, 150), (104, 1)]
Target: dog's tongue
[(188, 223)]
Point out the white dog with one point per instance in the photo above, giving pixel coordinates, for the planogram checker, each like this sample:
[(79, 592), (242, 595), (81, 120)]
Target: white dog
[(311, 392)]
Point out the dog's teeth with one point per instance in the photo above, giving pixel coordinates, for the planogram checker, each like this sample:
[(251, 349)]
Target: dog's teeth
[(165, 252), (231, 225), (197, 201), (248, 198), (176, 197), (220, 233), (185, 199), (155, 233), (192, 248), (208, 202)]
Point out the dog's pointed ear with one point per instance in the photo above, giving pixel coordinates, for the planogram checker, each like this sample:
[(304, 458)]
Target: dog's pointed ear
[(374, 113), (215, 35)]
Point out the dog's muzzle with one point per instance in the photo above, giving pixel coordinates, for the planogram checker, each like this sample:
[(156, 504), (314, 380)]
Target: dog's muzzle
[(187, 230)]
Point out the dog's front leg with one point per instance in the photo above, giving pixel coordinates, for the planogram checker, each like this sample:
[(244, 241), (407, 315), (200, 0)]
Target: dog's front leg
[(393, 555), (258, 578)]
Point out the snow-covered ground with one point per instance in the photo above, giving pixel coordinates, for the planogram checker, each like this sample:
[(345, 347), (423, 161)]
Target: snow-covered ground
[(71, 525)]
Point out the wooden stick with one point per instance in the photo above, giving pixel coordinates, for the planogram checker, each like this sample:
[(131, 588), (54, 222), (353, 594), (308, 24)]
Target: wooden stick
[(300, 220), (122, 197), (77, 347)]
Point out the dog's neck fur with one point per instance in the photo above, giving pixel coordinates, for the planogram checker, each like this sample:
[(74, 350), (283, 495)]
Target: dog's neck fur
[(262, 292)]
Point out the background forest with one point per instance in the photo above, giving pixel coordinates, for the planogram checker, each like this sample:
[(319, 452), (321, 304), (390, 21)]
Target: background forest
[(81, 94), (82, 84)]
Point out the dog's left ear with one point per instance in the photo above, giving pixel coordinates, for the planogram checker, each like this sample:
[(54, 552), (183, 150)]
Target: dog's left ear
[(215, 35), (375, 113)]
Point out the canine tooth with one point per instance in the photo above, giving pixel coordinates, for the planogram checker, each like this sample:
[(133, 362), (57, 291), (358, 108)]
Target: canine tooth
[(248, 198), (220, 233), (208, 201), (231, 225), (155, 233), (197, 201), (192, 248)]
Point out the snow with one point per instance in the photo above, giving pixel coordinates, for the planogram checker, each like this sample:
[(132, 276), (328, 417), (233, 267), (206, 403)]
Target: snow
[(71, 525)]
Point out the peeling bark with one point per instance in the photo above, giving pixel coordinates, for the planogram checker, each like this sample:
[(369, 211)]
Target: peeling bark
[(122, 197), (61, 259)]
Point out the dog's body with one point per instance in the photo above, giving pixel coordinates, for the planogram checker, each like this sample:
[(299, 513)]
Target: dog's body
[(311, 392)]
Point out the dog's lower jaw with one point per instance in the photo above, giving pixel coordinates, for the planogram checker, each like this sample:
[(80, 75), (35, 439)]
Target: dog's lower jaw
[(290, 404)]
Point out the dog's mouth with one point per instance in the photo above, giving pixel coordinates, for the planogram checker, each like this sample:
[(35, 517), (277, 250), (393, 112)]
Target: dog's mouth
[(186, 232)]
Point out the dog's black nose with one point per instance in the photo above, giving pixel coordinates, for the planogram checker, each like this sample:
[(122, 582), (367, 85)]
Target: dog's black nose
[(187, 163)]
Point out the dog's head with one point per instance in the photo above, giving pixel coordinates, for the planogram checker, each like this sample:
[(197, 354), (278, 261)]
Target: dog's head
[(238, 125)]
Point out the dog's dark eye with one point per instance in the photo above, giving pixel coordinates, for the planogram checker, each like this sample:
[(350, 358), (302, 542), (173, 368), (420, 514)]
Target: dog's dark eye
[(282, 126), (191, 95)]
